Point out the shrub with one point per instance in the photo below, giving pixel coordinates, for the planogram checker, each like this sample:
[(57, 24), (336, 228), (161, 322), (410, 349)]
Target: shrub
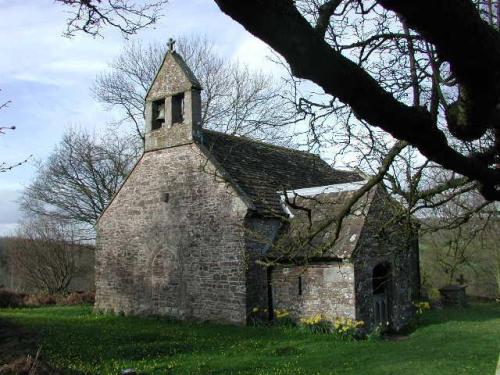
[(79, 298), (40, 299), (9, 298)]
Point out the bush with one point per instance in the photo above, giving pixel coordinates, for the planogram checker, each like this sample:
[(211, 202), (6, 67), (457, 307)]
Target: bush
[(9, 298), (79, 298), (40, 299)]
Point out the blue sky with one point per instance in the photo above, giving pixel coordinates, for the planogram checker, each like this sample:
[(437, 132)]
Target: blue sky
[(48, 77)]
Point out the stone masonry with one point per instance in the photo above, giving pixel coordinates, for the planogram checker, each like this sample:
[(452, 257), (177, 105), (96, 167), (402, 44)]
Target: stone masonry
[(186, 233), (182, 256), (325, 288)]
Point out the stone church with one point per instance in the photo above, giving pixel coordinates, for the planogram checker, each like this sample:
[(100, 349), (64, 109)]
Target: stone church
[(208, 226)]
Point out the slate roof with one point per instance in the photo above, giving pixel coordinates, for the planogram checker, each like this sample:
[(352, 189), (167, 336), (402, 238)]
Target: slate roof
[(261, 169), (297, 242)]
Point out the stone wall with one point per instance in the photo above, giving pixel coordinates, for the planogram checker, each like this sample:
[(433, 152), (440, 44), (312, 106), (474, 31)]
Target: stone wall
[(326, 289), (174, 77), (172, 242), (393, 244)]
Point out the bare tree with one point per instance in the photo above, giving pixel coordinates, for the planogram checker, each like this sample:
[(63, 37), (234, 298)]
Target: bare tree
[(90, 16), (4, 166), (408, 67), (43, 255), (454, 251), (80, 177), (400, 47), (235, 99), (467, 254), (370, 56)]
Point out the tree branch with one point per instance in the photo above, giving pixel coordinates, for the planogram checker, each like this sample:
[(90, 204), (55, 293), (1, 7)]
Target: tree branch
[(325, 11), (279, 23)]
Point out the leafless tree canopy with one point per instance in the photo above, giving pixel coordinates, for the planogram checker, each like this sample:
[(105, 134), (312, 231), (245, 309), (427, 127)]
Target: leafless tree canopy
[(425, 72), (43, 255), (91, 16), (4, 166), (468, 254), (235, 99), (80, 177)]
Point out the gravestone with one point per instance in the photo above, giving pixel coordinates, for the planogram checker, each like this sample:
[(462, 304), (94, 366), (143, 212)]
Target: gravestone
[(453, 295)]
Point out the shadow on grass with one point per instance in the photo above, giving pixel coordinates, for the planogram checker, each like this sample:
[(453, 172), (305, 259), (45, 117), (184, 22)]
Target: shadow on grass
[(101, 344)]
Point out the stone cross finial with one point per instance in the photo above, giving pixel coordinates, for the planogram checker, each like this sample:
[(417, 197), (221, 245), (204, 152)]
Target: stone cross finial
[(170, 44)]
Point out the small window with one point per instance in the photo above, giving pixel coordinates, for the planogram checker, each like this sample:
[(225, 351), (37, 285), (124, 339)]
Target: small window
[(158, 114), (178, 108), (300, 285)]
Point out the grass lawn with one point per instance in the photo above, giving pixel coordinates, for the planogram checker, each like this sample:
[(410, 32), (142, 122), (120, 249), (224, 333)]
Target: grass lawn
[(451, 341)]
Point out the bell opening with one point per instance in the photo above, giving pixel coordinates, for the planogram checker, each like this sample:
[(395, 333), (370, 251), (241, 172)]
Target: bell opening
[(158, 119)]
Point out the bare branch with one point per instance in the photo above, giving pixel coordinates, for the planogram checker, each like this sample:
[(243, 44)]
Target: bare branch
[(90, 16)]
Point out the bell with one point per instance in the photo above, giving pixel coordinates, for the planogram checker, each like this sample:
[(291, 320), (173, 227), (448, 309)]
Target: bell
[(161, 112)]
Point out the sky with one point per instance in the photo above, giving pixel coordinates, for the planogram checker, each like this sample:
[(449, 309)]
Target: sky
[(47, 77)]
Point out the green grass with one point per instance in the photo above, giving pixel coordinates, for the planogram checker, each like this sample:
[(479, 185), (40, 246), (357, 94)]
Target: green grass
[(451, 341)]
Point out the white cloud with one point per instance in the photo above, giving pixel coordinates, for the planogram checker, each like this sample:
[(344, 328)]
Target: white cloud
[(9, 211), (257, 54)]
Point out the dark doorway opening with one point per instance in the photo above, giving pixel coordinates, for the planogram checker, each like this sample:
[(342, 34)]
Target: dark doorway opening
[(381, 284)]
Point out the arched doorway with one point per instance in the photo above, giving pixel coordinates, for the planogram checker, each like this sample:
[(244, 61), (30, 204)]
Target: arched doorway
[(381, 284)]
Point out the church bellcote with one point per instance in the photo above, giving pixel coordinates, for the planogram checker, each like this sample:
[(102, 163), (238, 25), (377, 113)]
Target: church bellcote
[(173, 104)]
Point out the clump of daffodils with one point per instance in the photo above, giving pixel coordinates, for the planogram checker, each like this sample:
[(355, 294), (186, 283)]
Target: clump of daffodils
[(281, 314), (340, 326), (283, 318), (421, 306)]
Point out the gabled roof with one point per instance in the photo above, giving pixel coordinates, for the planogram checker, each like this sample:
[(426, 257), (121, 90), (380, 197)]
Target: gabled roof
[(261, 169), (300, 240), (173, 76)]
